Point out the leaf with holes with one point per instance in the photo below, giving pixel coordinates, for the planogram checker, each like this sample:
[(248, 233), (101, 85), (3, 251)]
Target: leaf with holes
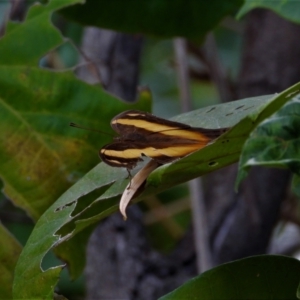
[(96, 195), (40, 155)]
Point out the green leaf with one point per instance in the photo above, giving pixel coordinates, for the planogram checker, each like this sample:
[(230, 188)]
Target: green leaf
[(10, 250), (32, 39), (275, 142), (96, 195), (41, 283), (288, 9), (36, 108), (40, 155), (226, 150), (258, 277), (186, 18)]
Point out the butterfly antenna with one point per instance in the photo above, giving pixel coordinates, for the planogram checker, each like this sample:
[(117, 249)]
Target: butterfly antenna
[(90, 129)]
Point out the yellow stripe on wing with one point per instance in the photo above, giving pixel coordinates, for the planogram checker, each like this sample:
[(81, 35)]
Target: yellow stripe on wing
[(174, 151), (163, 129)]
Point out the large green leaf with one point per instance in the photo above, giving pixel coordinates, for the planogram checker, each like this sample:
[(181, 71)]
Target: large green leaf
[(40, 155), (37, 147), (96, 195), (289, 9), (275, 143), (257, 277), (23, 44), (163, 18), (10, 250)]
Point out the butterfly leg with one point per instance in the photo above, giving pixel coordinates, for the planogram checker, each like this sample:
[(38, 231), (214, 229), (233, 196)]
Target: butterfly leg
[(129, 177)]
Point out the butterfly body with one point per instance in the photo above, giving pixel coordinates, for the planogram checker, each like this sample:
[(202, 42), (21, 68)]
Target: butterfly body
[(143, 134)]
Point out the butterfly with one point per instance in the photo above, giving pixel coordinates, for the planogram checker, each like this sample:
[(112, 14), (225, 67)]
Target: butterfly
[(143, 134)]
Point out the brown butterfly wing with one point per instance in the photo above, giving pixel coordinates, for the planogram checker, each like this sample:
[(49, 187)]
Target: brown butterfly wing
[(118, 154), (134, 125), (128, 154), (142, 134), (131, 121)]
